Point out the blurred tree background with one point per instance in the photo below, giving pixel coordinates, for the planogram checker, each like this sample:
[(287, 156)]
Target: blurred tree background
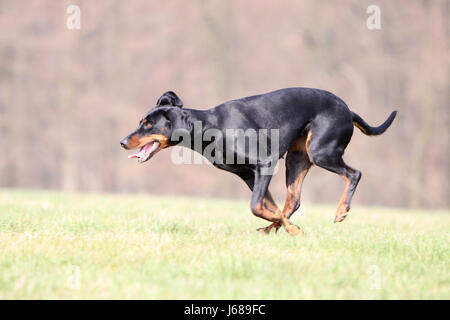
[(68, 96)]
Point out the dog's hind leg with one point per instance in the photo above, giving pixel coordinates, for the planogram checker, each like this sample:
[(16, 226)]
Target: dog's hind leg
[(326, 148), (351, 176), (297, 166)]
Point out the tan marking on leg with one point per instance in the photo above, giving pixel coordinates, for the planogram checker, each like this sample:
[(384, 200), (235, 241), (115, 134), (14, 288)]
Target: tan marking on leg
[(290, 200), (278, 218), (293, 193), (271, 204), (308, 140), (299, 144), (343, 208)]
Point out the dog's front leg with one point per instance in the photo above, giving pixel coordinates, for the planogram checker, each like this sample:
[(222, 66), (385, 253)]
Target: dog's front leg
[(261, 209), (272, 205)]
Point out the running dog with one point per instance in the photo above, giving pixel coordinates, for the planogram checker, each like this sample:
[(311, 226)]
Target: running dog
[(314, 128)]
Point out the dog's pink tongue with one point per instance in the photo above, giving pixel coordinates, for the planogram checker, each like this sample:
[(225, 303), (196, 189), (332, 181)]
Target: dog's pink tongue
[(141, 152), (135, 155)]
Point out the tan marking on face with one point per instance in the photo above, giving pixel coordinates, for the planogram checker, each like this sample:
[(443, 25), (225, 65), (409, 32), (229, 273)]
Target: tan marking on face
[(135, 141), (162, 139)]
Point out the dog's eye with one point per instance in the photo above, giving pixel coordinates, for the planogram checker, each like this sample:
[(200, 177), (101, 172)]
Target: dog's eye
[(145, 124)]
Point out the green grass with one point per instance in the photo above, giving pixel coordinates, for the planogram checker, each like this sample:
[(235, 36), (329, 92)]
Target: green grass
[(69, 246)]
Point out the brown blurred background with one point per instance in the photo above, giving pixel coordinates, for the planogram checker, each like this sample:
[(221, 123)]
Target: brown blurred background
[(68, 96)]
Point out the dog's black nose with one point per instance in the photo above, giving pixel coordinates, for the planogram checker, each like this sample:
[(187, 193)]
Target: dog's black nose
[(124, 143)]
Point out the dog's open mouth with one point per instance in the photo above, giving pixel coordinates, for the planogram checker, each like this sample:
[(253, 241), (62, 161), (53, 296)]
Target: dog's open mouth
[(146, 151)]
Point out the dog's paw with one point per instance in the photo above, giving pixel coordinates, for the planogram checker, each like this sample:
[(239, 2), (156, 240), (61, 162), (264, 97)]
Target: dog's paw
[(294, 230), (266, 230), (341, 213)]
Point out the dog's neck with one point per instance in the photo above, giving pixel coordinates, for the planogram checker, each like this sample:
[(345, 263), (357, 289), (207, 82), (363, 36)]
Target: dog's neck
[(195, 119), (195, 122)]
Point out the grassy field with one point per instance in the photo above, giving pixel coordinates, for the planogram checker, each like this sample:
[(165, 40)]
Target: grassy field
[(55, 245)]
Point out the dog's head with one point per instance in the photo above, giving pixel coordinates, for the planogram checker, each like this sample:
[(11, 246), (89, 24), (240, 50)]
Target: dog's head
[(154, 130)]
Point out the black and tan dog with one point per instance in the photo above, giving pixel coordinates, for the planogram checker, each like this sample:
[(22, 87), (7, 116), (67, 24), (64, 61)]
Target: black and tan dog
[(314, 126)]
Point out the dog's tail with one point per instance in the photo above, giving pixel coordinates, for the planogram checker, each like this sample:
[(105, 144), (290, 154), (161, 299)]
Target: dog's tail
[(372, 131)]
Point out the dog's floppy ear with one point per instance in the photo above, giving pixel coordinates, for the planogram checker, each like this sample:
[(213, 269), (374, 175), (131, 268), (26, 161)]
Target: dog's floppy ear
[(169, 98)]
